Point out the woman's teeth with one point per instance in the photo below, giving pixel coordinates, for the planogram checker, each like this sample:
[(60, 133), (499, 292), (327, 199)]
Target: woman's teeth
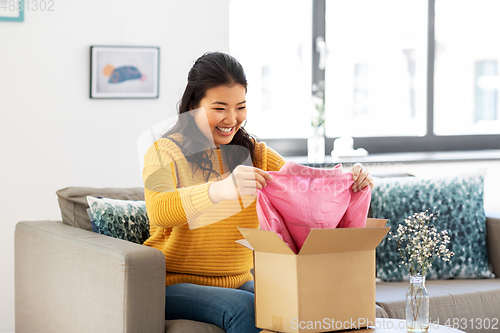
[(224, 129)]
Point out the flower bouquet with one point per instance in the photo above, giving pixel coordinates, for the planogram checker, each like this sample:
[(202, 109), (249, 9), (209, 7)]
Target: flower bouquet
[(419, 244)]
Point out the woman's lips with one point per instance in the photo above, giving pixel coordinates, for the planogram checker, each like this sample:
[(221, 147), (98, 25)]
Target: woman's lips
[(225, 131)]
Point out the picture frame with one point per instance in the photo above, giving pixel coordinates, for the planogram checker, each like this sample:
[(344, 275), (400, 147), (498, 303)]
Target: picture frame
[(12, 11), (118, 72)]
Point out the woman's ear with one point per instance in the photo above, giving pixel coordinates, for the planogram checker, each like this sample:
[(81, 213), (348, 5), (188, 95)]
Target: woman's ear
[(192, 110)]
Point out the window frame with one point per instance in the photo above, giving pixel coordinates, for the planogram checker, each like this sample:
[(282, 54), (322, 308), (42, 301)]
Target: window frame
[(393, 144)]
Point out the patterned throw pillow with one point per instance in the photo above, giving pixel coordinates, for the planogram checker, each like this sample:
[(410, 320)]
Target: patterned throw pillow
[(123, 219), (459, 201)]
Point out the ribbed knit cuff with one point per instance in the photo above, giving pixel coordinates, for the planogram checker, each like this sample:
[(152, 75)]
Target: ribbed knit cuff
[(200, 198)]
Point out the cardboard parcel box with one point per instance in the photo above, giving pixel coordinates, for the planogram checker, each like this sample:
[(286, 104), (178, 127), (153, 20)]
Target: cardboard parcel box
[(329, 285)]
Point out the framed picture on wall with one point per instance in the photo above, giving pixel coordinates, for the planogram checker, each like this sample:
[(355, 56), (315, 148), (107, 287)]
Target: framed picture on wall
[(12, 10), (124, 71)]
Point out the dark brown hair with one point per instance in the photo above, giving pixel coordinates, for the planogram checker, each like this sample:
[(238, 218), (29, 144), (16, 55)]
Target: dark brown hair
[(213, 69)]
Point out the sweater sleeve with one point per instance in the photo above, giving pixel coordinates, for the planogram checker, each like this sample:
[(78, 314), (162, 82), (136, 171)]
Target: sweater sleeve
[(267, 158), (167, 204)]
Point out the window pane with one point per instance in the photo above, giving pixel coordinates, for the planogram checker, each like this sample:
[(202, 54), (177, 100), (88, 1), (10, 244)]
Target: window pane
[(272, 40), (466, 79), (376, 67)]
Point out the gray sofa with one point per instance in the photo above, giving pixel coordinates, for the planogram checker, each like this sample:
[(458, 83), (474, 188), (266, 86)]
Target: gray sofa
[(70, 279), (465, 304)]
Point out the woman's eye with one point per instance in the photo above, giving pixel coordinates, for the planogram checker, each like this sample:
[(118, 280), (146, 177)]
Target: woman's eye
[(219, 109), (242, 108)]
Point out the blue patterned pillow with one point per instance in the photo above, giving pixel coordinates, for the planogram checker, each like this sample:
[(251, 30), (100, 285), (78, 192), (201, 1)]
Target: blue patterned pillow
[(123, 219), (459, 201)]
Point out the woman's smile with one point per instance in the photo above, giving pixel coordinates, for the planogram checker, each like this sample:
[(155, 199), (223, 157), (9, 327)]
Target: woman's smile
[(225, 130), (221, 112)]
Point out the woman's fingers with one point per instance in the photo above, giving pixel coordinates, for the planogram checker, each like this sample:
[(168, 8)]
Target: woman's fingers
[(249, 179), (244, 180), (261, 180), (355, 170), (250, 186), (263, 174), (371, 183), (245, 173), (361, 177), (368, 181)]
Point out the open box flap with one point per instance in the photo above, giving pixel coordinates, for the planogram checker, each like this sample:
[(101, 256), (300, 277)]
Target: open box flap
[(371, 223), (264, 241), (342, 240), (245, 243)]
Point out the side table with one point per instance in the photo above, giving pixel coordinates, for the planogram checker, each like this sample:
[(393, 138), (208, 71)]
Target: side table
[(389, 325)]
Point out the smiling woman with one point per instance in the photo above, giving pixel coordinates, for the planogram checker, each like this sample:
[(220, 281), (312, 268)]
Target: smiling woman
[(200, 183), (221, 112)]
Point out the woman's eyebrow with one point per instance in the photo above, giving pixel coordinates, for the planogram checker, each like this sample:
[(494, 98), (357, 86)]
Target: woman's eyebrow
[(222, 103)]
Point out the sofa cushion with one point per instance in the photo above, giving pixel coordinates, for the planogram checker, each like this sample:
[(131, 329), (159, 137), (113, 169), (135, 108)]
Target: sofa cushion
[(493, 240), (73, 202), (122, 219), (459, 201), (183, 326), (469, 302), (380, 312)]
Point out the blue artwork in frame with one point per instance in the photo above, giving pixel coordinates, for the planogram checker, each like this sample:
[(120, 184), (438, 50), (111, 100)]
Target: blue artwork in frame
[(124, 71), (12, 10)]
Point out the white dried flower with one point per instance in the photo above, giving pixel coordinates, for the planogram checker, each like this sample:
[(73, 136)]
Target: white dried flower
[(419, 242)]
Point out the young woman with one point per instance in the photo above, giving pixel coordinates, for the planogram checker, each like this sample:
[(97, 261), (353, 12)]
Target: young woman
[(196, 181)]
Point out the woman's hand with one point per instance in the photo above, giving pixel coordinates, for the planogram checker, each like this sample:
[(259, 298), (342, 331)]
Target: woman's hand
[(244, 180), (361, 177)]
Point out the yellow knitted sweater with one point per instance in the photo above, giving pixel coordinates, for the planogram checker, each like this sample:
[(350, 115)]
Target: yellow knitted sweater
[(206, 253)]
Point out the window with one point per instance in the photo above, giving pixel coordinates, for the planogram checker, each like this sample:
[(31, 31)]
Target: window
[(399, 76), (372, 88), (466, 80), (274, 47), (486, 92)]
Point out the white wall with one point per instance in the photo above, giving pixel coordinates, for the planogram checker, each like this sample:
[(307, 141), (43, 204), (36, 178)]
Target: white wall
[(52, 135)]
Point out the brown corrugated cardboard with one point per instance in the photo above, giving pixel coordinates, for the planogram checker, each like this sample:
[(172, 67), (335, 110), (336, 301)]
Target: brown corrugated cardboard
[(329, 285)]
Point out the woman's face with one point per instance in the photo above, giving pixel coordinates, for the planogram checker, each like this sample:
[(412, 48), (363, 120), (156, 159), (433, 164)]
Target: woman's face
[(221, 113)]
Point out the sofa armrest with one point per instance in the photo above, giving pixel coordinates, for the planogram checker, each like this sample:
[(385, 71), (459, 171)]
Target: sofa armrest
[(73, 280), (493, 240)]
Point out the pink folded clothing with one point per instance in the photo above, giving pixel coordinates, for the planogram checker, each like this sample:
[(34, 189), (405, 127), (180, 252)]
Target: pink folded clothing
[(301, 198)]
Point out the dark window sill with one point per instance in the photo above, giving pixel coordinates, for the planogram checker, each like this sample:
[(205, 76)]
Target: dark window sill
[(417, 157), (390, 145)]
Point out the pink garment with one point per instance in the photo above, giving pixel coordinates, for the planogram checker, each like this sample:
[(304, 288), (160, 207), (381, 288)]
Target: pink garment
[(301, 198)]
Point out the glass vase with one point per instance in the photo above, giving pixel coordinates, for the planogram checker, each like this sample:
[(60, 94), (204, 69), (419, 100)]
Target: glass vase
[(417, 305), (316, 146)]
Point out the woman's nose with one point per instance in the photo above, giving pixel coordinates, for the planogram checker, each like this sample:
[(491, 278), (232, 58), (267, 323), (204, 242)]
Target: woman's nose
[(231, 116)]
